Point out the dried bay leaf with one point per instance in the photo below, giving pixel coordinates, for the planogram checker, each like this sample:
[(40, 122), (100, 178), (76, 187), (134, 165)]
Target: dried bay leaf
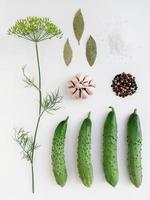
[(91, 50), (67, 53), (78, 25)]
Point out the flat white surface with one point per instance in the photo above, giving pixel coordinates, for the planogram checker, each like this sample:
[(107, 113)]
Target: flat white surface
[(18, 105)]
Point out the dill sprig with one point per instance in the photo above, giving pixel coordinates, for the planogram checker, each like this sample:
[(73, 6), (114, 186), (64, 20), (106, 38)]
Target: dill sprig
[(35, 29), (51, 101), (25, 141), (28, 80), (23, 138)]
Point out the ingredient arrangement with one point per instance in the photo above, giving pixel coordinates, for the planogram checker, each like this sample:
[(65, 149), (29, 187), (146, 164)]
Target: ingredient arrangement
[(80, 87)]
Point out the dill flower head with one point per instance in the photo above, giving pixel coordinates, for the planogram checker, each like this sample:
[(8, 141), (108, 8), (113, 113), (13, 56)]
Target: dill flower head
[(35, 29)]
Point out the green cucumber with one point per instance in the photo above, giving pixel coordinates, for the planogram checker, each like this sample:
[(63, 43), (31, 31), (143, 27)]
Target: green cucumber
[(110, 163), (84, 152), (134, 139), (58, 158)]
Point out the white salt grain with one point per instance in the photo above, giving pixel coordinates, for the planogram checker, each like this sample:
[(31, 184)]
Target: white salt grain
[(121, 40)]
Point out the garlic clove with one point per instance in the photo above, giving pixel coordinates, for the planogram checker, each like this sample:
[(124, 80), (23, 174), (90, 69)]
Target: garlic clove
[(84, 94), (70, 84), (92, 83), (76, 95), (85, 85), (90, 90), (72, 90), (79, 77), (75, 80), (86, 79)]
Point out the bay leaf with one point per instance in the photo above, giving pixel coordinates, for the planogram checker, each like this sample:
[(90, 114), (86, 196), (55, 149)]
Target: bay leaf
[(78, 25), (91, 50), (67, 52)]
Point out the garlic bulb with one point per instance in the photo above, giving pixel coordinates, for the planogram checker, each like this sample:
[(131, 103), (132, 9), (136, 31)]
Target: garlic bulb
[(81, 86)]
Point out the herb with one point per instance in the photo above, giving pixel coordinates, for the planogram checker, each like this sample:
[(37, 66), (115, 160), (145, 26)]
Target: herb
[(124, 85), (35, 29), (26, 143), (78, 25), (91, 50), (67, 53)]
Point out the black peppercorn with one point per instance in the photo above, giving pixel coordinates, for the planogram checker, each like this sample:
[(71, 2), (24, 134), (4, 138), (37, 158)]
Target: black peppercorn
[(124, 85)]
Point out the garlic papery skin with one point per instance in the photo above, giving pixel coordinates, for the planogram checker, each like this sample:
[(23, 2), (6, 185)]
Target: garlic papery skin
[(81, 87)]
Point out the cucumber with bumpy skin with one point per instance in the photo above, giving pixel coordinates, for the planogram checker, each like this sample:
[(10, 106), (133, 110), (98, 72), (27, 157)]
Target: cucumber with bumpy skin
[(134, 139), (84, 152), (58, 158), (110, 163)]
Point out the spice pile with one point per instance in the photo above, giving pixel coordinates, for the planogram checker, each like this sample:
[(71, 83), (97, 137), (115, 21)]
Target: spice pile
[(124, 85)]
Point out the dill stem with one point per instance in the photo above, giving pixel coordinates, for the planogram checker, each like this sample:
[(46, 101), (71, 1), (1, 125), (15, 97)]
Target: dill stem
[(39, 73), (32, 169), (39, 116), (34, 142)]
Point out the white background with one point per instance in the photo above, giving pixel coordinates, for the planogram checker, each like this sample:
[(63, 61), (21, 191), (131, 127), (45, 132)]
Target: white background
[(18, 105)]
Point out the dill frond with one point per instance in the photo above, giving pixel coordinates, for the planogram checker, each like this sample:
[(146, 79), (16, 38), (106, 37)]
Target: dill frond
[(28, 80), (25, 141), (51, 101)]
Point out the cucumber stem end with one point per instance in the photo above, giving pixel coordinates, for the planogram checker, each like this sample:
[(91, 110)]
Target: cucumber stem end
[(89, 114), (135, 110), (67, 118), (112, 108)]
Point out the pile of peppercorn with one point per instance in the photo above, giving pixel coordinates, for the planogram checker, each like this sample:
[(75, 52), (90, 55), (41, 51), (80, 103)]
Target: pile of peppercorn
[(124, 85)]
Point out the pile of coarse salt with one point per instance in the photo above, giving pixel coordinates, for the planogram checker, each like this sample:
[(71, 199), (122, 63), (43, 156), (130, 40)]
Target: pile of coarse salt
[(121, 40)]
